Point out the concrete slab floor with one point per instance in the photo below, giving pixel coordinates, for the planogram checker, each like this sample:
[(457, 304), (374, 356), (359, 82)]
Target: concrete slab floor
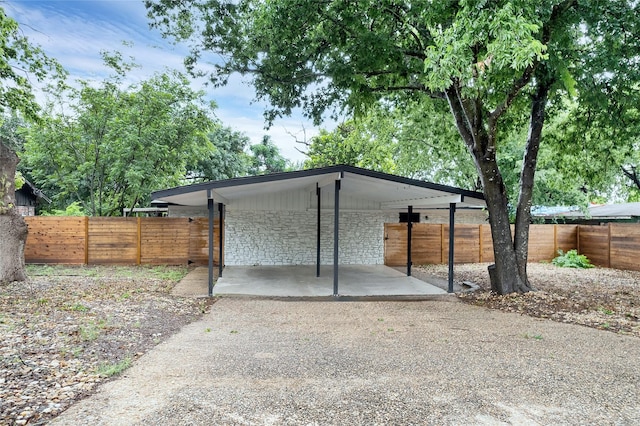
[(301, 281)]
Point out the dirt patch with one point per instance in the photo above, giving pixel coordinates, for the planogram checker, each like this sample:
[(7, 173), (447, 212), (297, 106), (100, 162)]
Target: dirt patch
[(606, 299), (66, 330)]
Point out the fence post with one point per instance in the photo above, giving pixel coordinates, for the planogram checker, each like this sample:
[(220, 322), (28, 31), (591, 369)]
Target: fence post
[(578, 240), (86, 240), (139, 242), (441, 243), (480, 243), (609, 245), (555, 240)]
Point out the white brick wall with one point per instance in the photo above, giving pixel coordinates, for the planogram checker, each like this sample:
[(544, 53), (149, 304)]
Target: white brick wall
[(289, 237)]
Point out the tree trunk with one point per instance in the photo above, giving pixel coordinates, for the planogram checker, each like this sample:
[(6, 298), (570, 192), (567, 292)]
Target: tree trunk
[(13, 228), (505, 275), (527, 174)]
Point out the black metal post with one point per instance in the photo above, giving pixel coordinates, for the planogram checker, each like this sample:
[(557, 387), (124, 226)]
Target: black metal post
[(220, 241), (210, 205), (452, 217), (318, 234), (336, 238), (409, 227)]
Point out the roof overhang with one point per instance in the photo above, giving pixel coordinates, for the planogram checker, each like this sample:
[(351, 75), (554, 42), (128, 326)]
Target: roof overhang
[(391, 191)]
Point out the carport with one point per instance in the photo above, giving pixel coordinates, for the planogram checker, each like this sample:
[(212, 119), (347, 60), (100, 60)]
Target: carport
[(300, 281), (299, 218)]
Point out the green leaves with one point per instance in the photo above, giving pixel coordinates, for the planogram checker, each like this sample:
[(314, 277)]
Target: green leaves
[(571, 259), (266, 158), (116, 144), (19, 61)]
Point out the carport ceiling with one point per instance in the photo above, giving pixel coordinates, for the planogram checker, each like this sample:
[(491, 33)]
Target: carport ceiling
[(391, 191)]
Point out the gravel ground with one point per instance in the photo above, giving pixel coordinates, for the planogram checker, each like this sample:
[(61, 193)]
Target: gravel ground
[(66, 330), (266, 362), (607, 299)]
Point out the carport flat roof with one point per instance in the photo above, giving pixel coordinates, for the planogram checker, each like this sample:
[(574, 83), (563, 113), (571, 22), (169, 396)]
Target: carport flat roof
[(391, 191)]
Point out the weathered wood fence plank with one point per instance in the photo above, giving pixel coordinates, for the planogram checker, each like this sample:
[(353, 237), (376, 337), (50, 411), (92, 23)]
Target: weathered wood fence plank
[(624, 246), (121, 241), (113, 240), (56, 240), (594, 242), (615, 245)]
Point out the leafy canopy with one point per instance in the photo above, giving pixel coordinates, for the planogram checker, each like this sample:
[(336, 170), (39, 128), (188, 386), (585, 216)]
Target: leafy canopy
[(114, 144), (20, 62)]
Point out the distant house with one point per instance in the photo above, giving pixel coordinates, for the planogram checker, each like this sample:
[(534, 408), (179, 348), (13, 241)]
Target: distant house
[(595, 214), (27, 199)]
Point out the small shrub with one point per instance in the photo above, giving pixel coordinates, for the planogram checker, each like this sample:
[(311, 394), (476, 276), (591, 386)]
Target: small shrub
[(571, 259)]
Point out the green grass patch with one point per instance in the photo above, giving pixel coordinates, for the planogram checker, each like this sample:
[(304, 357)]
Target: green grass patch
[(163, 272), (171, 273), (109, 370), (61, 270), (91, 331), (533, 336), (77, 307)]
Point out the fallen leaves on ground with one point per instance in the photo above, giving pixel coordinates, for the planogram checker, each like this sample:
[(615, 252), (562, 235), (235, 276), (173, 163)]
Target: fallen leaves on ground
[(602, 298), (66, 330)]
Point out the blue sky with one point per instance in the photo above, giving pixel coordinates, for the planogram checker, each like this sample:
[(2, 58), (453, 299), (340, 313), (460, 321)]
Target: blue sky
[(75, 31)]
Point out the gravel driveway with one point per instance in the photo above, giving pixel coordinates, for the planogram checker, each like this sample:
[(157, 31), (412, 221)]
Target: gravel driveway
[(265, 362)]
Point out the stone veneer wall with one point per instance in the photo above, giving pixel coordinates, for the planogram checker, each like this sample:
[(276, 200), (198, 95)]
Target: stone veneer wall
[(289, 237)]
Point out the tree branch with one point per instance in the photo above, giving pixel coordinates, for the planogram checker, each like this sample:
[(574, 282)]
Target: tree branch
[(632, 174), (528, 72), (462, 121), (524, 79)]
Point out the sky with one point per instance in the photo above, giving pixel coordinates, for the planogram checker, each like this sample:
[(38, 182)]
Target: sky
[(75, 32)]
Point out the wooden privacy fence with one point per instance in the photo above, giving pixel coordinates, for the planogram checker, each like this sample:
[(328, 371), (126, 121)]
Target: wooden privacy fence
[(612, 246), (99, 240), (102, 240)]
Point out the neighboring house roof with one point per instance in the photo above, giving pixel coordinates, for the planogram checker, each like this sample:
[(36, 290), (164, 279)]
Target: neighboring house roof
[(551, 210), (624, 210), (391, 191), (596, 212), (29, 189)]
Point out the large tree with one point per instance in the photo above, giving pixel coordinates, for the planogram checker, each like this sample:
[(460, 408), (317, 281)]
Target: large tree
[(599, 149), (115, 143), (492, 62), (226, 159), (20, 61), (357, 143), (265, 158), (410, 137)]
